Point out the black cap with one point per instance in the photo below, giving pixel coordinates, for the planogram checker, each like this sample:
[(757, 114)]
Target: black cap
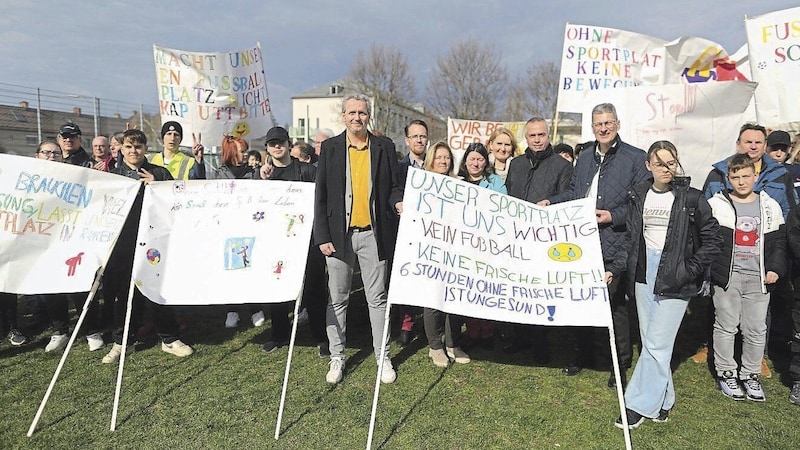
[(277, 134), (564, 148), (69, 129), (779, 138), (171, 126)]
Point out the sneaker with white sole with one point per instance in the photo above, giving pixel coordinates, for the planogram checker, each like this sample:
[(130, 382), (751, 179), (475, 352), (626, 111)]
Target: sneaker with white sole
[(438, 357), (458, 355), (794, 395), (177, 348), (729, 386), (258, 319), (57, 343), (16, 338), (95, 341), (634, 419), (335, 371), (753, 389), (388, 374), (232, 320), (116, 351)]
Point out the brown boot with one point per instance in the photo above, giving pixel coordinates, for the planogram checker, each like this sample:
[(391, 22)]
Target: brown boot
[(701, 356)]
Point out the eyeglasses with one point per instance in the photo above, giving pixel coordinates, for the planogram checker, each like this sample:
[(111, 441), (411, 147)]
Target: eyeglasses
[(418, 137), (70, 136), (667, 165), (600, 125), (50, 152)]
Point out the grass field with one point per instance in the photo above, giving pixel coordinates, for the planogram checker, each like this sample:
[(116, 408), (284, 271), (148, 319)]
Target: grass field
[(227, 395)]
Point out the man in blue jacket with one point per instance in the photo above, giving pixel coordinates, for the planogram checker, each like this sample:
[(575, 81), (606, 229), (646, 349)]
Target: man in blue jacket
[(606, 172)]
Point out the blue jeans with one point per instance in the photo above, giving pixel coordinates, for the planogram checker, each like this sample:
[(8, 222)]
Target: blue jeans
[(651, 388)]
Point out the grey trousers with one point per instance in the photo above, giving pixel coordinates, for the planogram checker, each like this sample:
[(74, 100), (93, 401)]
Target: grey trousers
[(741, 307), (361, 245)]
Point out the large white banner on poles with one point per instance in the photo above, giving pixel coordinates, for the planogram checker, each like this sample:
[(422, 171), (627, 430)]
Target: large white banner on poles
[(214, 93), (701, 119), (600, 58), (204, 242), (58, 224), (774, 43), (470, 251)]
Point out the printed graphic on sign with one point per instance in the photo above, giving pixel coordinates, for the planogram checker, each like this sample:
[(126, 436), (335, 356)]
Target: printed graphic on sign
[(238, 252)]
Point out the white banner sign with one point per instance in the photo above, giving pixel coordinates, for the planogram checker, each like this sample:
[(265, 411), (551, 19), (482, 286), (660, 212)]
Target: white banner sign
[(701, 119), (461, 133), (59, 223), (774, 43), (599, 58), (214, 93), (204, 242), (470, 251)]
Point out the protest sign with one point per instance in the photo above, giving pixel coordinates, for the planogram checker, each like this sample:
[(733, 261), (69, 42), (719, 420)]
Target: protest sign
[(701, 119), (470, 251), (59, 223), (205, 242), (600, 58), (214, 93), (461, 133), (698, 60), (774, 43)]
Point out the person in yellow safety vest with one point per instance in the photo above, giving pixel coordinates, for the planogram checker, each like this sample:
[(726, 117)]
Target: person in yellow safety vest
[(179, 164)]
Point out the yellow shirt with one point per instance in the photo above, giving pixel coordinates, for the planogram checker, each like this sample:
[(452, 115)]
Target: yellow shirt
[(360, 173)]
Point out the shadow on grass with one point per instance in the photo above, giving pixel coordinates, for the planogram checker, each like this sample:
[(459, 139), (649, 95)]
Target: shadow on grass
[(178, 378), (352, 363), (419, 401)]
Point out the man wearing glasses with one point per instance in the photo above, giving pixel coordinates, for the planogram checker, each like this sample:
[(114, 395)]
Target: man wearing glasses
[(606, 171), (69, 139), (417, 142)]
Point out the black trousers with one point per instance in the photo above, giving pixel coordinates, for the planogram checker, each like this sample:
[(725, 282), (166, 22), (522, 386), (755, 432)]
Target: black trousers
[(8, 312), (58, 310), (587, 338)]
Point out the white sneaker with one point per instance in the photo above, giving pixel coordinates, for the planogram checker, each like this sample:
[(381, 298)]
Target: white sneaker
[(232, 321), (258, 319), (302, 318), (335, 372), (116, 351), (95, 341), (388, 375), (458, 355), (177, 348), (58, 342)]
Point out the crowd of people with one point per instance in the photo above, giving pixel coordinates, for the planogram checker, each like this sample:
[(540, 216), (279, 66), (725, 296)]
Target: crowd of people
[(663, 243)]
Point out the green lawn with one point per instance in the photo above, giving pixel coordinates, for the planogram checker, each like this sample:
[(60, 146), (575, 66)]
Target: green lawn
[(227, 394)]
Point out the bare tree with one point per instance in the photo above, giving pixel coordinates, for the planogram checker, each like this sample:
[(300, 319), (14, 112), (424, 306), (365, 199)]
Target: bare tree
[(469, 82), (533, 94), (383, 74)]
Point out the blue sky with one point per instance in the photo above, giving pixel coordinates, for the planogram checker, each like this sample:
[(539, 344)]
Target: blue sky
[(104, 48)]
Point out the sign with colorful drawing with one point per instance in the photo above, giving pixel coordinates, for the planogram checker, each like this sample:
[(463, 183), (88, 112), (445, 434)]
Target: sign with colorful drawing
[(470, 251), (774, 43), (701, 119), (214, 93), (58, 224), (204, 242)]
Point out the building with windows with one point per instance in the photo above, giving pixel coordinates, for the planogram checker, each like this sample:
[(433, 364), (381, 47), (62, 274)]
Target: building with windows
[(321, 107), (23, 127)]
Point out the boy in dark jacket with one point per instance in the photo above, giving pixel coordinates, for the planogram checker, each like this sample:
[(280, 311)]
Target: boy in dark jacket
[(751, 262)]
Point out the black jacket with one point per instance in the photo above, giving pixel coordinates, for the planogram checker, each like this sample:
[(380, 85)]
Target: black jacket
[(771, 239), (682, 266), (79, 158), (331, 217), (622, 168), (536, 176)]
